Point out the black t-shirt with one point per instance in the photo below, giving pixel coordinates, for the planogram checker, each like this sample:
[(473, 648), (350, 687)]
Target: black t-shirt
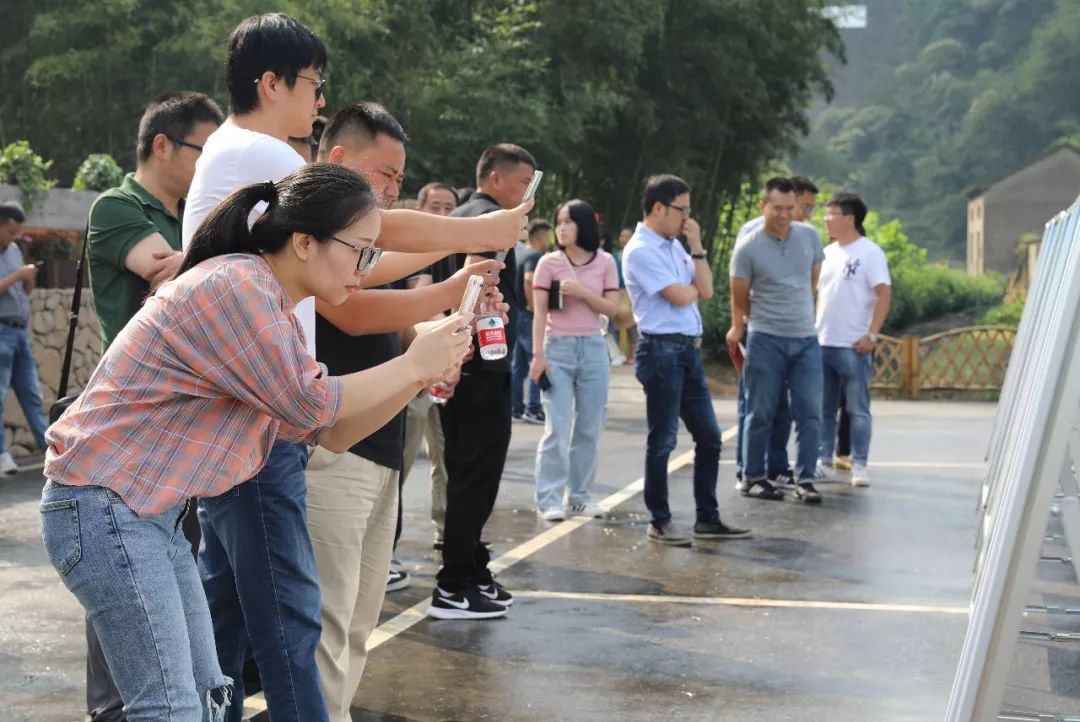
[(345, 354), (525, 264), (478, 205)]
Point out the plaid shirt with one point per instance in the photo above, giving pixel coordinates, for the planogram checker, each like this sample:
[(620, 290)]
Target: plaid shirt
[(190, 396)]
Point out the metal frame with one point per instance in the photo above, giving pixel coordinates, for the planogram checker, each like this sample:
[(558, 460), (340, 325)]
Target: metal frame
[(1028, 457)]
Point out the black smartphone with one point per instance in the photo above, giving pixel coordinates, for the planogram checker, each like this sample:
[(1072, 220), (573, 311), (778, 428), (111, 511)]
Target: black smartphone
[(544, 382)]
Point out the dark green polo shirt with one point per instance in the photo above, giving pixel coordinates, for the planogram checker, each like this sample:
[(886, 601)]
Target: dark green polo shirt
[(119, 219)]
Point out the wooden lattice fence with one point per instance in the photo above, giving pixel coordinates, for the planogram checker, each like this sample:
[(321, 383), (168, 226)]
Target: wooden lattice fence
[(963, 359)]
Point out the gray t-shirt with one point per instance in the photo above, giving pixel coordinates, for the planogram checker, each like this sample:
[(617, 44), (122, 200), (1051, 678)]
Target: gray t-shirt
[(781, 293), (14, 303)]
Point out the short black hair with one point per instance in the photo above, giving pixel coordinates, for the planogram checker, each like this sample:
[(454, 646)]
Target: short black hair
[(366, 120), (803, 185), (421, 197), (780, 184), (174, 115), (11, 211), (500, 156), (663, 189), (850, 204), (274, 42), (584, 217), (539, 226)]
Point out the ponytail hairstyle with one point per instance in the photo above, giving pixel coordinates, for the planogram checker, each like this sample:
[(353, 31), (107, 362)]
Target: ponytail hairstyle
[(584, 217), (319, 199)]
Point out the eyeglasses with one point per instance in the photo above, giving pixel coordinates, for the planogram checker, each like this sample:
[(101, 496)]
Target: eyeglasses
[(368, 256), (808, 209), (184, 143), (685, 210), (318, 84)]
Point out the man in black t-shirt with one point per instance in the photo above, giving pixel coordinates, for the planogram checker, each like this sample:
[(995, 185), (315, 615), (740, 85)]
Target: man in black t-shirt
[(353, 497), (476, 422), (529, 409)]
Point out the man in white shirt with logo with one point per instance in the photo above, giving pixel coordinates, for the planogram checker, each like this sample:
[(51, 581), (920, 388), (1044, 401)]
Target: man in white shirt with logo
[(854, 293)]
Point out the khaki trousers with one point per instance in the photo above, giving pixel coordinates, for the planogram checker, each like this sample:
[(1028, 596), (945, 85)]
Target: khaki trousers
[(422, 421), (352, 513)]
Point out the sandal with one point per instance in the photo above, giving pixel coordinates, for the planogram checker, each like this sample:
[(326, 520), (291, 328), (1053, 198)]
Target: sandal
[(762, 489)]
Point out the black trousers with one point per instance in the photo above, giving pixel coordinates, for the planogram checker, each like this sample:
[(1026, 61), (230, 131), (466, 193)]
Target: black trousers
[(476, 424), (103, 702)]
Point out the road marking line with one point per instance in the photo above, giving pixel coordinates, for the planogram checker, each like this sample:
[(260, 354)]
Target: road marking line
[(745, 602), (416, 613)]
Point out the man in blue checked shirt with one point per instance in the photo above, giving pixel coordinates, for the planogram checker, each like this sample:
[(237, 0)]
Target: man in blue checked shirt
[(665, 284)]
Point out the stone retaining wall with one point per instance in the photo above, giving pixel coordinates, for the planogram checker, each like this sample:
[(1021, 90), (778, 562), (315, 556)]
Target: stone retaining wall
[(49, 309)]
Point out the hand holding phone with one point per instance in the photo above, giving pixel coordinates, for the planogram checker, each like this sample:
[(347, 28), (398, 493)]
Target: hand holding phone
[(544, 382), (473, 287)]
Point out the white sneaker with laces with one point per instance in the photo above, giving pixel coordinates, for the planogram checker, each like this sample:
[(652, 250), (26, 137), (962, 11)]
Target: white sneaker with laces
[(823, 471), (7, 465), (859, 475)]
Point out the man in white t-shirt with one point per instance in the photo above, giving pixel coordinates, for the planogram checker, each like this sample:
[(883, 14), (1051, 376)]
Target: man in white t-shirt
[(854, 293), (256, 560)]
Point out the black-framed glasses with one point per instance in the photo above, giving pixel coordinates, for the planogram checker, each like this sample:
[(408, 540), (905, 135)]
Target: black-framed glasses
[(685, 210), (184, 143), (368, 256), (318, 84)]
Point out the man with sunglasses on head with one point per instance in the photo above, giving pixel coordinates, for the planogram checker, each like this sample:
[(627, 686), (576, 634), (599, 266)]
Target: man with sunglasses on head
[(134, 246)]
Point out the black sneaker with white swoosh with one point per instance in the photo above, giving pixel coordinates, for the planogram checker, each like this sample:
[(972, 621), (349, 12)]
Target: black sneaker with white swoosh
[(467, 604), (497, 593)]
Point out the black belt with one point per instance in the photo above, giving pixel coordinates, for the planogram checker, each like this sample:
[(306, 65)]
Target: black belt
[(679, 338), (12, 324)]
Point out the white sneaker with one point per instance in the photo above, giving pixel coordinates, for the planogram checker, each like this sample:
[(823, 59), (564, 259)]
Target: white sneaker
[(589, 508), (859, 475), (823, 471), (555, 514), (7, 465)]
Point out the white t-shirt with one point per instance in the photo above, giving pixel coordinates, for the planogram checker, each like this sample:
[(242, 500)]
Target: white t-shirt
[(231, 159), (846, 295)]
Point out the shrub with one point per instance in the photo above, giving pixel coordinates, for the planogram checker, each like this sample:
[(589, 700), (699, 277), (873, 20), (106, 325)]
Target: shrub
[(21, 166), (99, 172), (1007, 314)]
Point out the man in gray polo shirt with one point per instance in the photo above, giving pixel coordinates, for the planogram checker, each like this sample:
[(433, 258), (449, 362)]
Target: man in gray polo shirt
[(18, 368), (774, 272)]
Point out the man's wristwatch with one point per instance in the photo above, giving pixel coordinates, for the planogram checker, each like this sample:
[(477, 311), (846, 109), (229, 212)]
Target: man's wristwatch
[(873, 337), (698, 256)]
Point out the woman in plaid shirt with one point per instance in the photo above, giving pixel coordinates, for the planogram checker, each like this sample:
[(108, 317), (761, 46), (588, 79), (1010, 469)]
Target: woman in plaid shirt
[(187, 403)]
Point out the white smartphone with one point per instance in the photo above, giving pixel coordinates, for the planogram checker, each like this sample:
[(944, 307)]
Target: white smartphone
[(471, 295), (533, 185)]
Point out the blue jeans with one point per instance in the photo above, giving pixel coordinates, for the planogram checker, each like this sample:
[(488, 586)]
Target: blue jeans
[(773, 362), (580, 370), (675, 387), (777, 459), (519, 368), (137, 580), (848, 371), (18, 370), (258, 570)]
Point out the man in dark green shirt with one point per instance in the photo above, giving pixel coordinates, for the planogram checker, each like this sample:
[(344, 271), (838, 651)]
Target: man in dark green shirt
[(134, 230), (134, 237)]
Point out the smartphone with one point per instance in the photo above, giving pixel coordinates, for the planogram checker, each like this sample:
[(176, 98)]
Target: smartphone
[(544, 382), (533, 185), (471, 295)]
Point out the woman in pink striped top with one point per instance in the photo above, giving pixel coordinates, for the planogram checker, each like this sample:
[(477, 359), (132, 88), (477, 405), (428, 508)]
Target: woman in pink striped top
[(187, 402)]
